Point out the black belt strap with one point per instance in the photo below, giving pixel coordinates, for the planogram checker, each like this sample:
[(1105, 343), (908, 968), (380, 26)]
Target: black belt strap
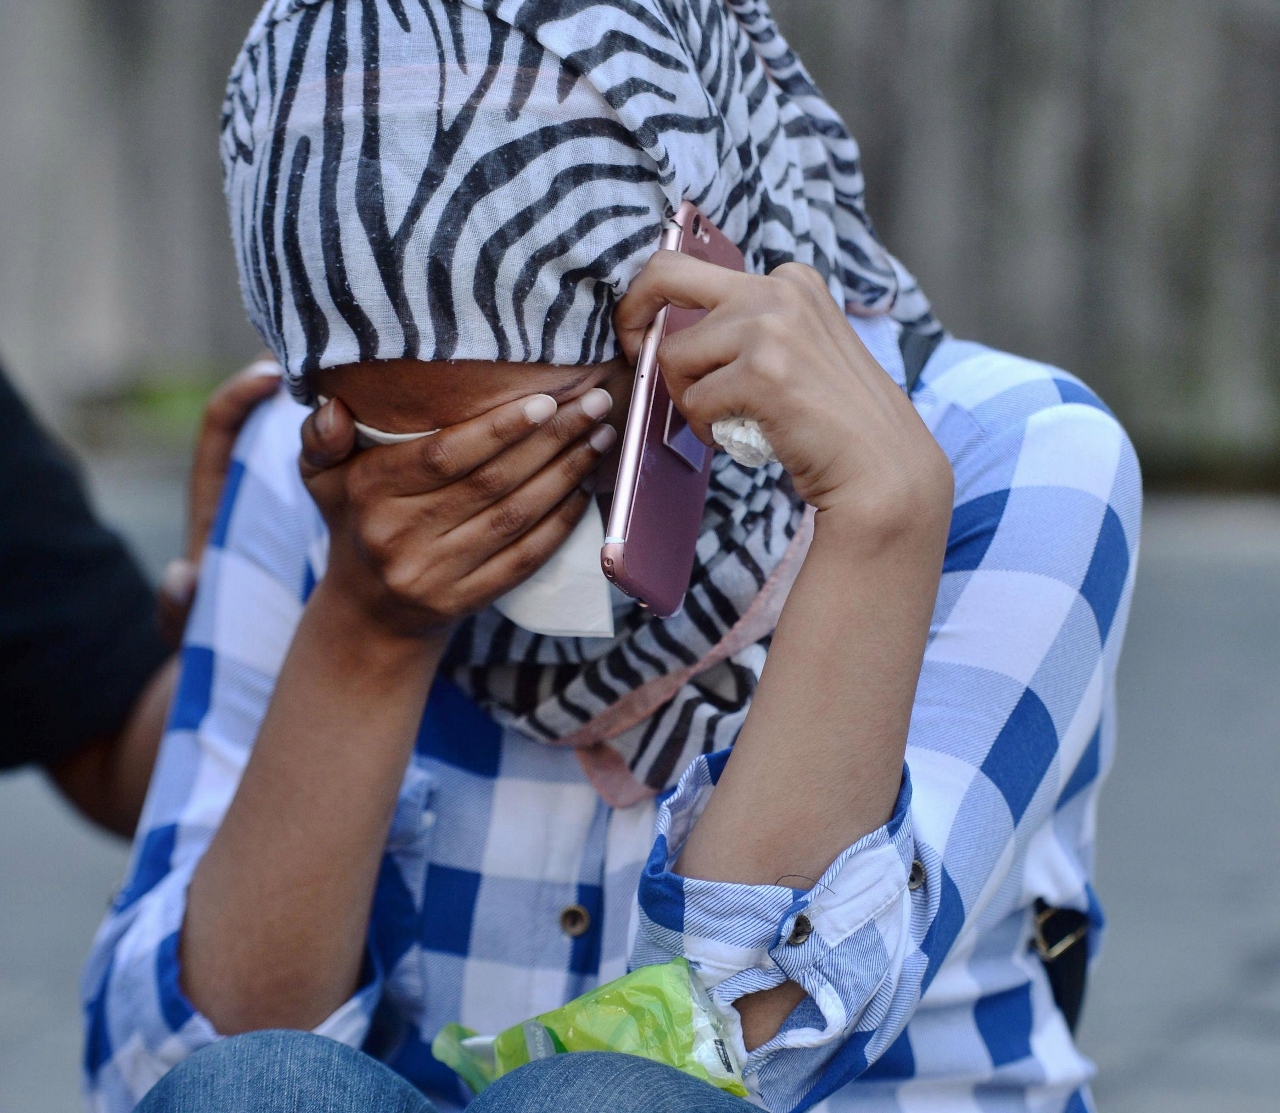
[(916, 352), (1062, 942)]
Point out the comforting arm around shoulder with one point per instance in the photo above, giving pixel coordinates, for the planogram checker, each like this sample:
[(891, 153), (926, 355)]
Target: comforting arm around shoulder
[(1023, 645)]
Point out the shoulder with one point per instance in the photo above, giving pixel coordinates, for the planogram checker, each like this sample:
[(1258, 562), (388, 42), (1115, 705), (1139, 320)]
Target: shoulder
[(269, 444), (267, 516), (1009, 422)]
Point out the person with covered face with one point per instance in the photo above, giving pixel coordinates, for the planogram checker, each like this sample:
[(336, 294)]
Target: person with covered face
[(424, 766)]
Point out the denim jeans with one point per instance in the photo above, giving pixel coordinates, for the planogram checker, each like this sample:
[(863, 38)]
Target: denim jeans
[(296, 1072)]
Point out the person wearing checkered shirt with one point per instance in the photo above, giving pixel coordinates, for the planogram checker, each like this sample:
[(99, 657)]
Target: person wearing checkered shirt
[(921, 991), (844, 782)]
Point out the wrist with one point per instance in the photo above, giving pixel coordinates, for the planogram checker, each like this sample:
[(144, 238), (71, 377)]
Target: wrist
[(908, 505), (865, 529), (372, 642)]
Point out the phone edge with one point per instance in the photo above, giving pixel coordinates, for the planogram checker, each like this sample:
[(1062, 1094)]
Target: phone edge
[(638, 419)]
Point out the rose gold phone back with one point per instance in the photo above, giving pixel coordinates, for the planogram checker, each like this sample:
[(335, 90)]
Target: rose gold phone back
[(651, 558)]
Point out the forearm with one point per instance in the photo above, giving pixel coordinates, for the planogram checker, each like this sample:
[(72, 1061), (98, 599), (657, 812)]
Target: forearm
[(278, 908), (818, 764)]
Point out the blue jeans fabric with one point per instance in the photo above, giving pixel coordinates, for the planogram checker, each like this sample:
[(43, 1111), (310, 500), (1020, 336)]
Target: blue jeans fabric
[(296, 1072)]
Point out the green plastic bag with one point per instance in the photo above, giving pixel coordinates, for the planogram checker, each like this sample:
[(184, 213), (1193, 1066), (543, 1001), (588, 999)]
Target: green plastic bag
[(657, 1012)]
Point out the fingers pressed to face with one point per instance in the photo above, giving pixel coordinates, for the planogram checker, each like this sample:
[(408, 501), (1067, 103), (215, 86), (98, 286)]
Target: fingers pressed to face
[(519, 560), (574, 422), (328, 438), (520, 512), (438, 460), (488, 457)]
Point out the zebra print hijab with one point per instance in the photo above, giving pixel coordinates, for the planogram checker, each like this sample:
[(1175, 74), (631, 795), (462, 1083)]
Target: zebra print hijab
[(480, 179)]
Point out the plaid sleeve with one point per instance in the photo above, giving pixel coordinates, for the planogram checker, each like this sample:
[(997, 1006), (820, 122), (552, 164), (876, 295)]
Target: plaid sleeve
[(1022, 652), (255, 577)]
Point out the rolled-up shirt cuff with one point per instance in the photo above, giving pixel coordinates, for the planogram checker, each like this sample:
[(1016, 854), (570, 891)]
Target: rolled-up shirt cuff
[(838, 939)]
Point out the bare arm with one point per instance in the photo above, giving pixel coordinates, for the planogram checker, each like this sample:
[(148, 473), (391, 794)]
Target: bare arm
[(275, 939), (420, 534), (818, 763)]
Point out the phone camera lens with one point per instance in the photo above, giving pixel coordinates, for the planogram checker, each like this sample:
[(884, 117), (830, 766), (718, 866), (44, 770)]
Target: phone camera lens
[(697, 225)]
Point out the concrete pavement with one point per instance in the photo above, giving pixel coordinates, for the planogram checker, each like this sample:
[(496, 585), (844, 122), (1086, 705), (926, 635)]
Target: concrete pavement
[(1184, 1011)]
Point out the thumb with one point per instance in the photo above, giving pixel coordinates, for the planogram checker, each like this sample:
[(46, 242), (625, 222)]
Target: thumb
[(328, 438)]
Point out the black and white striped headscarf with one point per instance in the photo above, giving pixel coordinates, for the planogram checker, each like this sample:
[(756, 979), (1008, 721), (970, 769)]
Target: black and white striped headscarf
[(480, 179)]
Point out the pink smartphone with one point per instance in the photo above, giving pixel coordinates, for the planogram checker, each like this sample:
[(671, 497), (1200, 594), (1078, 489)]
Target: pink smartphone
[(664, 469)]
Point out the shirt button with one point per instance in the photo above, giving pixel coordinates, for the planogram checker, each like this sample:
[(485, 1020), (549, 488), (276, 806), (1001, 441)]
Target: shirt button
[(800, 931), (575, 921), (917, 875)]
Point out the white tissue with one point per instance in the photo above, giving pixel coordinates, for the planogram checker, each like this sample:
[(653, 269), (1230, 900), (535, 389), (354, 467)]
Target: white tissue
[(742, 439), (568, 597)]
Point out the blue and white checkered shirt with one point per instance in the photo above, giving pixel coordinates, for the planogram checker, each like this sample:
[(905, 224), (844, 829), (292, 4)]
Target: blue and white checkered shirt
[(919, 997)]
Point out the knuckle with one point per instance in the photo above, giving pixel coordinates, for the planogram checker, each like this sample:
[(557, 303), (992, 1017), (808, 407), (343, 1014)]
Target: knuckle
[(671, 351), (665, 260), (690, 404), (380, 537), (507, 428), (772, 335), (799, 289), (450, 603), (361, 485), (509, 518), (401, 579), (800, 278), (564, 423), (776, 328), (436, 457), (769, 364), (577, 463), (527, 561), (488, 482)]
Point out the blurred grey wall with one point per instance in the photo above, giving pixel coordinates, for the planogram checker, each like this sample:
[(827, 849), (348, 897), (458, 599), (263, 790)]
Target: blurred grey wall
[(1095, 183), (113, 245), (1091, 182)]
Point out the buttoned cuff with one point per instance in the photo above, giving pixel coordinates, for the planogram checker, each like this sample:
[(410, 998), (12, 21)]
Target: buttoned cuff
[(840, 940)]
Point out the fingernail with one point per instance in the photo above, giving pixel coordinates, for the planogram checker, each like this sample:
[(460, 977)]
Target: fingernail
[(262, 369), (540, 408), (597, 402), (602, 439), (324, 419), (179, 582)]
